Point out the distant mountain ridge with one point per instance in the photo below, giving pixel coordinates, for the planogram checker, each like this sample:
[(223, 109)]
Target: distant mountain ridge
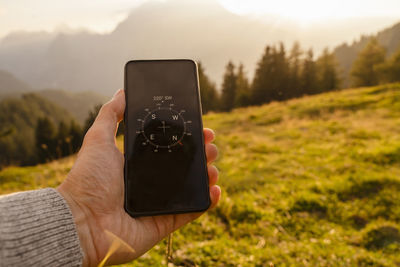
[(86, 61), (202, 30)]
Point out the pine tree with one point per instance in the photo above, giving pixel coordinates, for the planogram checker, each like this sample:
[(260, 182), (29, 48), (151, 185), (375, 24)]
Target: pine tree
[(75, 134), (271, 77), (262, 75), (294, 87), (308, 77), (208, 91), (229, 88), (279, 76), (45, 140), (364, 71), (243, 88), (328, 78), (63, 140), (389, 71)]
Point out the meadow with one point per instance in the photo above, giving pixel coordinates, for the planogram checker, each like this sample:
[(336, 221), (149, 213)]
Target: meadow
[(313, 181)]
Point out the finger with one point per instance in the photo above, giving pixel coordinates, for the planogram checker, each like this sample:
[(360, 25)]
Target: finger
[(215, 195), (209, 135), (105, 126), (211, 152), (212, 175)]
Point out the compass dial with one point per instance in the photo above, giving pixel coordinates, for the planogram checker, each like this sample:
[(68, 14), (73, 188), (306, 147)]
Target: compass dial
[(163, 127)]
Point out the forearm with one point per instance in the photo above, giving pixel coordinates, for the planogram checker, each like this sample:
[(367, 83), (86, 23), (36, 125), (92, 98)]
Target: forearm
[(37, 229)]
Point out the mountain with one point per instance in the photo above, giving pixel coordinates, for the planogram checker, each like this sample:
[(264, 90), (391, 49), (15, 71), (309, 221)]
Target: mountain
[(346, 54), (18, 118), (9, 84), (312, 181), (202, 30), (182, 29), (78, 104)]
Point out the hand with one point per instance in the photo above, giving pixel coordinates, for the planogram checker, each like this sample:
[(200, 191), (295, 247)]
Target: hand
[(94, 190)]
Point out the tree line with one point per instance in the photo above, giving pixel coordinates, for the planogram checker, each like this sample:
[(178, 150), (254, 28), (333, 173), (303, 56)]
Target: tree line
[(279, 75), (373, 66), (282, 75), (53, 142)]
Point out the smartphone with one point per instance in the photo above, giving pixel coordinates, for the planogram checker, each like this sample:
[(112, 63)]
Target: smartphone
[(165, 162)]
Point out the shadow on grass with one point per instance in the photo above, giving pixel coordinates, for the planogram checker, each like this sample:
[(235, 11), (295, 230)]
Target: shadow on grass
[(380, 237)]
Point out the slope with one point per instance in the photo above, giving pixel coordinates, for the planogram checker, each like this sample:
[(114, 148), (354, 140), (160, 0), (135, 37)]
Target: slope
[(307, 182), (18, 118), (9, 84)]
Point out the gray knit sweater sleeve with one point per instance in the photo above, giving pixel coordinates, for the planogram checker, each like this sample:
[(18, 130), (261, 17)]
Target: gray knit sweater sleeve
[(37, 229)]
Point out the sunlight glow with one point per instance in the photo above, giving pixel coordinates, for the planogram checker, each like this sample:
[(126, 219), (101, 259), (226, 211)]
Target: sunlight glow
[(308, 11)]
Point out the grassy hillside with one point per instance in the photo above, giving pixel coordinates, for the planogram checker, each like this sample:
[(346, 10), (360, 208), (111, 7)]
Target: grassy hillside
[(309, 182)]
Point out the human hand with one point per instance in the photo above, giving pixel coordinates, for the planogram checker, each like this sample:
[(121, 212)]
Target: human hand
[(94, 191)]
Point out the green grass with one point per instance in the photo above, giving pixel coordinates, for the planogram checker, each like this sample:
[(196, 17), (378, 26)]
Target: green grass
[(309, 182)]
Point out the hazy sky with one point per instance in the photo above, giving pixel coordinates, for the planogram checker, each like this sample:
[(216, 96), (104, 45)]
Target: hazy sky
[(314, 10), (103, 15)]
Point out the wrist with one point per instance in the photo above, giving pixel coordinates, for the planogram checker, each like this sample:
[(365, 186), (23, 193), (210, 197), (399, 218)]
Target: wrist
[(82, 225)]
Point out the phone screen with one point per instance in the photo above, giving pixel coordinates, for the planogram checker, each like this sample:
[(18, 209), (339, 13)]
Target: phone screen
[(165, 163)]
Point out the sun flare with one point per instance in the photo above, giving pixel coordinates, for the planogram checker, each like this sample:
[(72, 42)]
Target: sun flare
[(308, 11)]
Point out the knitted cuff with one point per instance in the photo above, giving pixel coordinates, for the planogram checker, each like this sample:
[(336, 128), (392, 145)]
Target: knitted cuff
[(37, 229)]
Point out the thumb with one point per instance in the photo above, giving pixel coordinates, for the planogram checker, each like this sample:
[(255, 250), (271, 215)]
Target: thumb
[(105, 126)]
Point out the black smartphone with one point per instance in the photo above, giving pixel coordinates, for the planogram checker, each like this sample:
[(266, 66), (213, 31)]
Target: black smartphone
[(165, 162)]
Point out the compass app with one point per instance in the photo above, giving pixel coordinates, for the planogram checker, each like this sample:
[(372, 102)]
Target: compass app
[(164, 127), (165, 164)]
